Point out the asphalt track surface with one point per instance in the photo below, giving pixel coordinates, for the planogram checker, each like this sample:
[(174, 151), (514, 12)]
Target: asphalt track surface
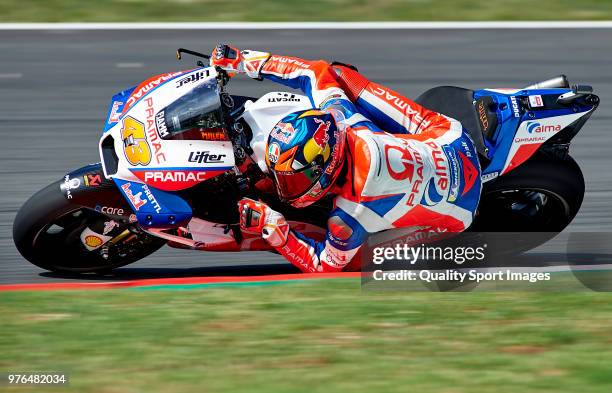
[(55, 87)]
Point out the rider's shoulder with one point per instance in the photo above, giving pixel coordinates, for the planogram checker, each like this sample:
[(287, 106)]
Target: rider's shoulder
[(362, 147)]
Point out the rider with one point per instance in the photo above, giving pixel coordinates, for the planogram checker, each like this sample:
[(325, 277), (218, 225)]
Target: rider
[(422, 173)]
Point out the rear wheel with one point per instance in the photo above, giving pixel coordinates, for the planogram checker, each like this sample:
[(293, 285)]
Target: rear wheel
[(542, 195), (47, 232)]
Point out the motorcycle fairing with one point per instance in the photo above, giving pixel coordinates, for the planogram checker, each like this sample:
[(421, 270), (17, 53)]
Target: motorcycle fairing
[(116, 107), (153, 207), (142, 155), (87, 187), (525, 143), (137, 93), (153, 165), (522, 131)]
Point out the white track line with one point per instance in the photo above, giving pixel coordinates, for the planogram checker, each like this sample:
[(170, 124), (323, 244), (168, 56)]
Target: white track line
[(129, 65), (15, 75), (312, 25)]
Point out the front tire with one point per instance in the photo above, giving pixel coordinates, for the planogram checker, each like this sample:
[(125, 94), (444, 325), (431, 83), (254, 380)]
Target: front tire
[(47, 230)]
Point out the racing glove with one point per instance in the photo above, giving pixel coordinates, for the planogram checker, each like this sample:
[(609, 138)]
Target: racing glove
[(232, 60), (257, 217)]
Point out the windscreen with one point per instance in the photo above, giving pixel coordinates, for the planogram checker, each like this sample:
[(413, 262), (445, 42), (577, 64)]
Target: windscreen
[(198, 110)]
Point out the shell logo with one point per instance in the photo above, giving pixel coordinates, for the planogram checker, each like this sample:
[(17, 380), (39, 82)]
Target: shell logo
[(93, 241)]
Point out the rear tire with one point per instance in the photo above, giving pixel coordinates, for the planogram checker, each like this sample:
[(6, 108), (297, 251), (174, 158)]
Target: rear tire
[(542, 195), (47, 229)]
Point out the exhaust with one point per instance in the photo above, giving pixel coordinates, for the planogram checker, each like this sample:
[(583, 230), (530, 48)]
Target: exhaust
[(552, 83)]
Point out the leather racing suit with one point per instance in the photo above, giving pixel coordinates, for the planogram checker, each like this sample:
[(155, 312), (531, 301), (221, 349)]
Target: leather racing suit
[(407, 166)]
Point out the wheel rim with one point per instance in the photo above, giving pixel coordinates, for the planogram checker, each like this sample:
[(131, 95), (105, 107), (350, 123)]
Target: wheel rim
[(523, 210), (59, 242)]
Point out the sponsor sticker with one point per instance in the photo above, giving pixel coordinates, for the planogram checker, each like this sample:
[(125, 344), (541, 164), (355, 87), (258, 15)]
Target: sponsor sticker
[(175, 176), (70, 184), (213, 135), (193, 78), (482, 116), (290, 60), (205, 157), (151, 198), (284, 97), (515, 107), (533, 139), (536, 101), (115, 211), (454, 173), (148, 85), (401, 104), (135, 199), (92, 180), (174, 180), (273, 152), (109, 226), (160, 124), (283, 132), (152, 132), (538, 128), (489, 176), (92, 240), (115, 113)]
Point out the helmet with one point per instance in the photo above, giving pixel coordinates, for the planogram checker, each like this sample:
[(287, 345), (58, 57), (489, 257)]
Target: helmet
[(305, 153)]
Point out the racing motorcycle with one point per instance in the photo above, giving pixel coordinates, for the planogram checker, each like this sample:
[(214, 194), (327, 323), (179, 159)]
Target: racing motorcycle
[(178, 151)]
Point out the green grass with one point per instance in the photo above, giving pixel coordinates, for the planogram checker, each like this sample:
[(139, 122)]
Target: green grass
[(315, 336), (312, 10)]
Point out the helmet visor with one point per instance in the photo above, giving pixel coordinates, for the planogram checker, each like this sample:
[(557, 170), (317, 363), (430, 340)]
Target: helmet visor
[(294, 184)]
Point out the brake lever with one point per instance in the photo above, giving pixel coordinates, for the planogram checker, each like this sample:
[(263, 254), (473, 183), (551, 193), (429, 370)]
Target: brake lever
[(190, 52)]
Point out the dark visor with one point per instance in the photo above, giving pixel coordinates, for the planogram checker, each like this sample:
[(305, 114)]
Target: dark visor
[(293, 184)]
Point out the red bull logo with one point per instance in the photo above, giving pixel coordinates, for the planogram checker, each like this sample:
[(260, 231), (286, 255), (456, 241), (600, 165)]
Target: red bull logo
[(318, 144), (321, 136)]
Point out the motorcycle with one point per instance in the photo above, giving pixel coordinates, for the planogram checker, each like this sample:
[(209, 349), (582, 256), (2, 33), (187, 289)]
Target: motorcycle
[(178, 152)]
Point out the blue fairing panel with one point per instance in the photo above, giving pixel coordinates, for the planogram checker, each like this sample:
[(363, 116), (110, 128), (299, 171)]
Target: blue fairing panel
[(153, 207), (510, 116), (116, 107)]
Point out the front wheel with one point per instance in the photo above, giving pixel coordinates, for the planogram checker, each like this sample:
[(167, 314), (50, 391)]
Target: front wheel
[(47, 232)]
